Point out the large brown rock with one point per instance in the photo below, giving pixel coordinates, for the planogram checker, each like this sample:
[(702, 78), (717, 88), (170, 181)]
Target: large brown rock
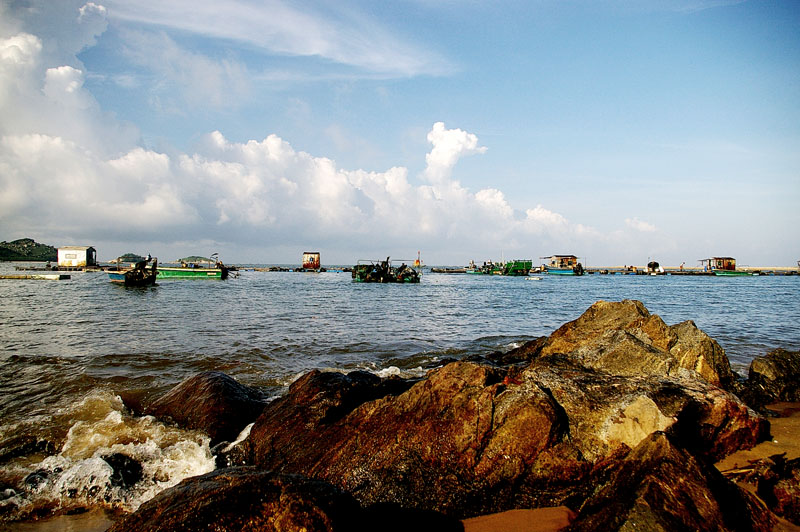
[(474, 438), (211, 402), (245, 500), (773, 377), (659, 486), (455, 440), (610, 413), (623, 338)]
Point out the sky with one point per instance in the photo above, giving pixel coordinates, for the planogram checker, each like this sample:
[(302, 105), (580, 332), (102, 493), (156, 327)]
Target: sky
[(620, 131)]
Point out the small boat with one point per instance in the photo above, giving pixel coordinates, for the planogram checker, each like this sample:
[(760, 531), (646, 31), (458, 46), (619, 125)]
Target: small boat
[(371, 271), (138, 275), (563, 265), (731, 273), (193, 268), (575, 270)]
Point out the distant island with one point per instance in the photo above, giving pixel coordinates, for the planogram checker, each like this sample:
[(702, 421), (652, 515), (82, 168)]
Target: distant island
[(25, 249)]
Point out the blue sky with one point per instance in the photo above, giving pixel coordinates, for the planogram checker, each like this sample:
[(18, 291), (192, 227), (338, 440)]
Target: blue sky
[(620, 131)]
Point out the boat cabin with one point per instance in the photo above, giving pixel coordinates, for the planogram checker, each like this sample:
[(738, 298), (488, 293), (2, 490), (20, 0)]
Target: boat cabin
[(311, 260), (719, 263), (561, 261), (77, 257)]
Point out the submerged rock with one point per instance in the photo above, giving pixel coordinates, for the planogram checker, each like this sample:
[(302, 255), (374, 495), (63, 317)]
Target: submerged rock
[(127, 471), (211, 402)]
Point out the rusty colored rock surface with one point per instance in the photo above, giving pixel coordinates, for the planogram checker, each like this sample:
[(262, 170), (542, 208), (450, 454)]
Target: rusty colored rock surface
[(660, 486), (623, 338), (472, 439), (245, 500), (211, 402), (772, 378)]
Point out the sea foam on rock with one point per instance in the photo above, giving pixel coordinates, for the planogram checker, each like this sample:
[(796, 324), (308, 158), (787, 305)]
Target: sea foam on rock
[(570, 420)]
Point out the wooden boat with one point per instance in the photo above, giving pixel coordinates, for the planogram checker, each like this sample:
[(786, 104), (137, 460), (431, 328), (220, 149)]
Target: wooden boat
[(138, 275), (563, 265), (575, 270), (731, 273), (371, 271), (192, 268)]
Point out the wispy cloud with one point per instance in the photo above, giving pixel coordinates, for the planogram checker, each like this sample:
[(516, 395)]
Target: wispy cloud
[(339, 35)]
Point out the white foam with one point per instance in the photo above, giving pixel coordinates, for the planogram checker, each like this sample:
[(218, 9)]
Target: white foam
[(79, 476)]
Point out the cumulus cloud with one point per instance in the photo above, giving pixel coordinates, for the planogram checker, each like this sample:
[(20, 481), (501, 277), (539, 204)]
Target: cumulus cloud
[(74, 173)]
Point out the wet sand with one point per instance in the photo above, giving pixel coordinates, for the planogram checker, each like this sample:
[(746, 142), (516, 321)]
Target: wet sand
[(538, 520)]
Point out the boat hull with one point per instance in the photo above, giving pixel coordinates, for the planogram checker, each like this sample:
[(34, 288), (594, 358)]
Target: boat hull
[(191, 273), (561, 271), (730, 273), (129, 278)]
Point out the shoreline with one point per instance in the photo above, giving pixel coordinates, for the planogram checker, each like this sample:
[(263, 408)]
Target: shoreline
[(785, 431)]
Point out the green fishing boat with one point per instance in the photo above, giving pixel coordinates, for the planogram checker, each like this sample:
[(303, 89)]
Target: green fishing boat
[(194, 267), (731, 273)]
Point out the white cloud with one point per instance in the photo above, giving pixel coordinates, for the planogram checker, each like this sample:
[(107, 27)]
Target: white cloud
[(639, 225), (201, 80), (73, 172), (278, 27)]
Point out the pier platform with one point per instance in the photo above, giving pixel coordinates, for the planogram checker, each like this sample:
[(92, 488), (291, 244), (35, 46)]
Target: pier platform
[(38, 277)]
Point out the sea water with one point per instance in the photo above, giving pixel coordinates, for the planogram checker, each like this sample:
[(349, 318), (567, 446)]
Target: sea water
[(77, 357)]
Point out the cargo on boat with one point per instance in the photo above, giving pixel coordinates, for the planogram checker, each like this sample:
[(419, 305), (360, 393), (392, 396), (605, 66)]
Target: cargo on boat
[(373, 271), (138, 275)]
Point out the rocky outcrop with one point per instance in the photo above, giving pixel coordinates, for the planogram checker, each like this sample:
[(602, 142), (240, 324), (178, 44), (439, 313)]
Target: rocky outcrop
[(776, 480), (211, 402), (614, 411), (245, 499), (772, 378), (659, 486), (623, 338), (474, 438)]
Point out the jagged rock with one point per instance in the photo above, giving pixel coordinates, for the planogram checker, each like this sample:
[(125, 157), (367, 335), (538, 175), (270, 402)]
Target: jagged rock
[(623, 338), (773, 377), (659, 486), (777, 483), (473, 438), (211, 402), (606, 412), (244, 499)]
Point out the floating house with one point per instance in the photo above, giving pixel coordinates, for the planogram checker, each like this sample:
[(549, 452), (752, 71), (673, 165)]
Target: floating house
[(311, 260), (561, 261), (563, 265), (77, 257), (719, 263)]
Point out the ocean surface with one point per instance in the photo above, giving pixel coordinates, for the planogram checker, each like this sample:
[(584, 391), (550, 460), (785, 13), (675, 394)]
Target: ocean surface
[(76, 354)]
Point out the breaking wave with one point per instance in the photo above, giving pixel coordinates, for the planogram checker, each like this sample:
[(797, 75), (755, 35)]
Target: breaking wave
[(110, 459)]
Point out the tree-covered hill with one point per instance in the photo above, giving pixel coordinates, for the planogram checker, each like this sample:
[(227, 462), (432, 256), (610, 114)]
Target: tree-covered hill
[(25, 249)]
